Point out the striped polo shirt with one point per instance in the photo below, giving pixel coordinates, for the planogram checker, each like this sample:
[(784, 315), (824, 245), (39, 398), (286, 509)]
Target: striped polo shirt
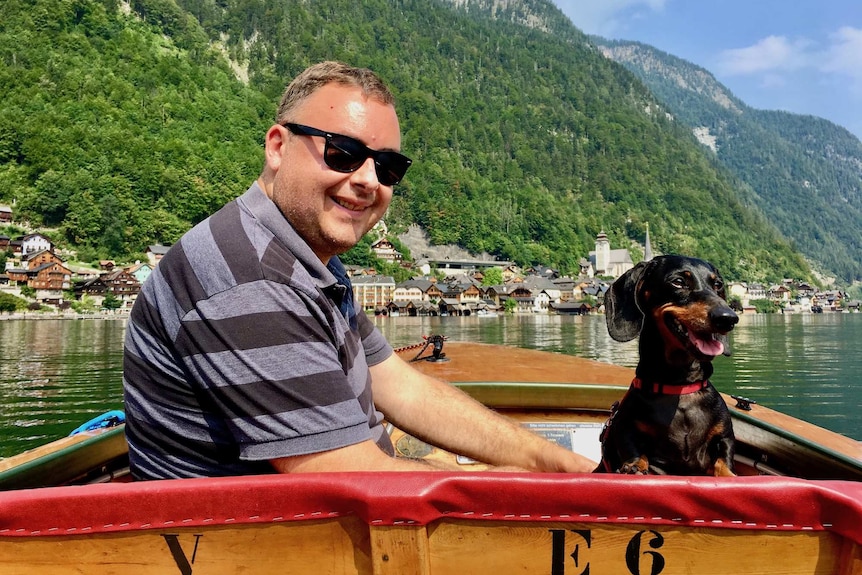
[(243, 347)]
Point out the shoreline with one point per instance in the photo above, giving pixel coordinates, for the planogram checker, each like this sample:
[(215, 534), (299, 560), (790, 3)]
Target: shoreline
[(106, 314), (124, 314)]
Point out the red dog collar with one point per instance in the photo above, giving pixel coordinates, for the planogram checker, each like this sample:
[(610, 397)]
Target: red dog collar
[(669, 388)]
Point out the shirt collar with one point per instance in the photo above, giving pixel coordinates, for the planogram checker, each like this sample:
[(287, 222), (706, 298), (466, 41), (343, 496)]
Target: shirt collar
[(331, 278), (268, 214)]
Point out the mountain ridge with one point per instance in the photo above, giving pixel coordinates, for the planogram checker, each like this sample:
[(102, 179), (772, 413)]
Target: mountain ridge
[(804, 172), (124, 130)]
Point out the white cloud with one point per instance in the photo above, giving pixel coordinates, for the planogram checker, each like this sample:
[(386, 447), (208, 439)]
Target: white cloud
[(775, 56), (771, 54), (843, 55)]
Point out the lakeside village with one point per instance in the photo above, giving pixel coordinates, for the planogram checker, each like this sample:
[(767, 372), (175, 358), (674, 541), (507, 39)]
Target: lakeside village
[(445, 287)]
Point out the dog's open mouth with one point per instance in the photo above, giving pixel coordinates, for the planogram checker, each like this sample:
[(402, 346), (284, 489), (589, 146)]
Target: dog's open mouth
[(706, 343)]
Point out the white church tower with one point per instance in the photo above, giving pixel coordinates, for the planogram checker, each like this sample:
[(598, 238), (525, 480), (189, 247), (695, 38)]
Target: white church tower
[(603, 253)]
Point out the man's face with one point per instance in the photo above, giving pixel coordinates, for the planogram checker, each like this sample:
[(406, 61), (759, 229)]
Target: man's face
[(329, 209)]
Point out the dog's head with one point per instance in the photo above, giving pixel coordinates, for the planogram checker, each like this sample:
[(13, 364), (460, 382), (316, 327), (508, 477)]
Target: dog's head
[(683, 298)]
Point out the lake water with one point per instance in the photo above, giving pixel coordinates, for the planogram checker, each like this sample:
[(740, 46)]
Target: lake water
[(56, 374)]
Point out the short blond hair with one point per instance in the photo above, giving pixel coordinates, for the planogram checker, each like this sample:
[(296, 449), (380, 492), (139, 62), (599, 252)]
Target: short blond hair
[(315, 77)]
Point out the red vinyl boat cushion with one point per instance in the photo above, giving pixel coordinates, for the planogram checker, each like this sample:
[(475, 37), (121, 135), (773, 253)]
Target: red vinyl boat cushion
[(781, 504)]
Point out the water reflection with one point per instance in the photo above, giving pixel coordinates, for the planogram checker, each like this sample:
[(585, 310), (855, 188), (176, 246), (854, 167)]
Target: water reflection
[(54, 375), (806, 365)]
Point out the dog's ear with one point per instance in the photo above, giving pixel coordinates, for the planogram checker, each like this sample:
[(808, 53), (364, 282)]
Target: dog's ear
[(622, 314)]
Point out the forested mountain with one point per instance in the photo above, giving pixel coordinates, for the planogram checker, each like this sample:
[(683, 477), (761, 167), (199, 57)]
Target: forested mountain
[(805, 173), (123, 124)]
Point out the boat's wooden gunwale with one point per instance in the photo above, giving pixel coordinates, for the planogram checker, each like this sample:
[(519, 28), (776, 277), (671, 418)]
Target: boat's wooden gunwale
[(800, 455), (65, 460), (43, 450)]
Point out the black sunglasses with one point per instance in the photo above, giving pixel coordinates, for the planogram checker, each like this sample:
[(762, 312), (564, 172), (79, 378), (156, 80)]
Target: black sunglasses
[(345, 154)]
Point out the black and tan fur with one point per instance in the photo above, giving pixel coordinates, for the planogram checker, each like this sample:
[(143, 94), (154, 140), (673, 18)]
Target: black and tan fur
[(672, 420)]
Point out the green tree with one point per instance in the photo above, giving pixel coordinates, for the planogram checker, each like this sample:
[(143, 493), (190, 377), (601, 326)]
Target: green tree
[(510, 306), (9, 303), (111, 302), (492, 277), (361, 254), (112, 237), (765, 305), (85, 305)]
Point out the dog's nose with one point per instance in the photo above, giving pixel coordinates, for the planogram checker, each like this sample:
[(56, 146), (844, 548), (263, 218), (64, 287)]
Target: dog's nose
[(723, 319)]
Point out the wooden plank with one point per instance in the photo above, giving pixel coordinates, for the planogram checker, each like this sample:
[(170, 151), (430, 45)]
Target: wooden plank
[(400, 550), (483, 362), (336, 547), (345, 547), (483, 548), (42, 450), (553, 395), (850, 562)]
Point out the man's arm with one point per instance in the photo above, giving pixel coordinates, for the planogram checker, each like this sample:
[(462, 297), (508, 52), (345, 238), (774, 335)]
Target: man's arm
[(443, 415), (365, 456)]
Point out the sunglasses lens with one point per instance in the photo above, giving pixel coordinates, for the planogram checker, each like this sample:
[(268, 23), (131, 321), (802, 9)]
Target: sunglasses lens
[(346, 155), (391, 167)]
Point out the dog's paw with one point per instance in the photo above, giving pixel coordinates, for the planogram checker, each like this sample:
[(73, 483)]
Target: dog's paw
[(636, 466), (722, 469)]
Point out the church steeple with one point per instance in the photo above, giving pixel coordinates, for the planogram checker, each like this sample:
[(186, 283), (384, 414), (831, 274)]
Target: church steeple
[(647, 246)]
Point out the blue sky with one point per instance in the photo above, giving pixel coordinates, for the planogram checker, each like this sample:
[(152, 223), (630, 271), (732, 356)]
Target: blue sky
[(801, 56)]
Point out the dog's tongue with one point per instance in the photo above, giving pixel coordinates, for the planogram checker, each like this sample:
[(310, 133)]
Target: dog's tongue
[(710, 346)]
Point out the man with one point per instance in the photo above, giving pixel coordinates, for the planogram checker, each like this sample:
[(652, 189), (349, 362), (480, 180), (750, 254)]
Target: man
[(244, 353)]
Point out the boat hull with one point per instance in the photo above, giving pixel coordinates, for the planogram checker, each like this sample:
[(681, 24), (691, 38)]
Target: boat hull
[(436, 523)]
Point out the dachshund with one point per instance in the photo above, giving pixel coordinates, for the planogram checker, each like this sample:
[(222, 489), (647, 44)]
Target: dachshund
[(671, 420)]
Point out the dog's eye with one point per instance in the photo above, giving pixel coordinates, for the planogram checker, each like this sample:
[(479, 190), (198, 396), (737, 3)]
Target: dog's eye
[(718, 286), (678, 283)]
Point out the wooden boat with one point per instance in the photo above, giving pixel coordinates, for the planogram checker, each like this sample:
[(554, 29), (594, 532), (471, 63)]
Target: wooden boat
[(796, 507)]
